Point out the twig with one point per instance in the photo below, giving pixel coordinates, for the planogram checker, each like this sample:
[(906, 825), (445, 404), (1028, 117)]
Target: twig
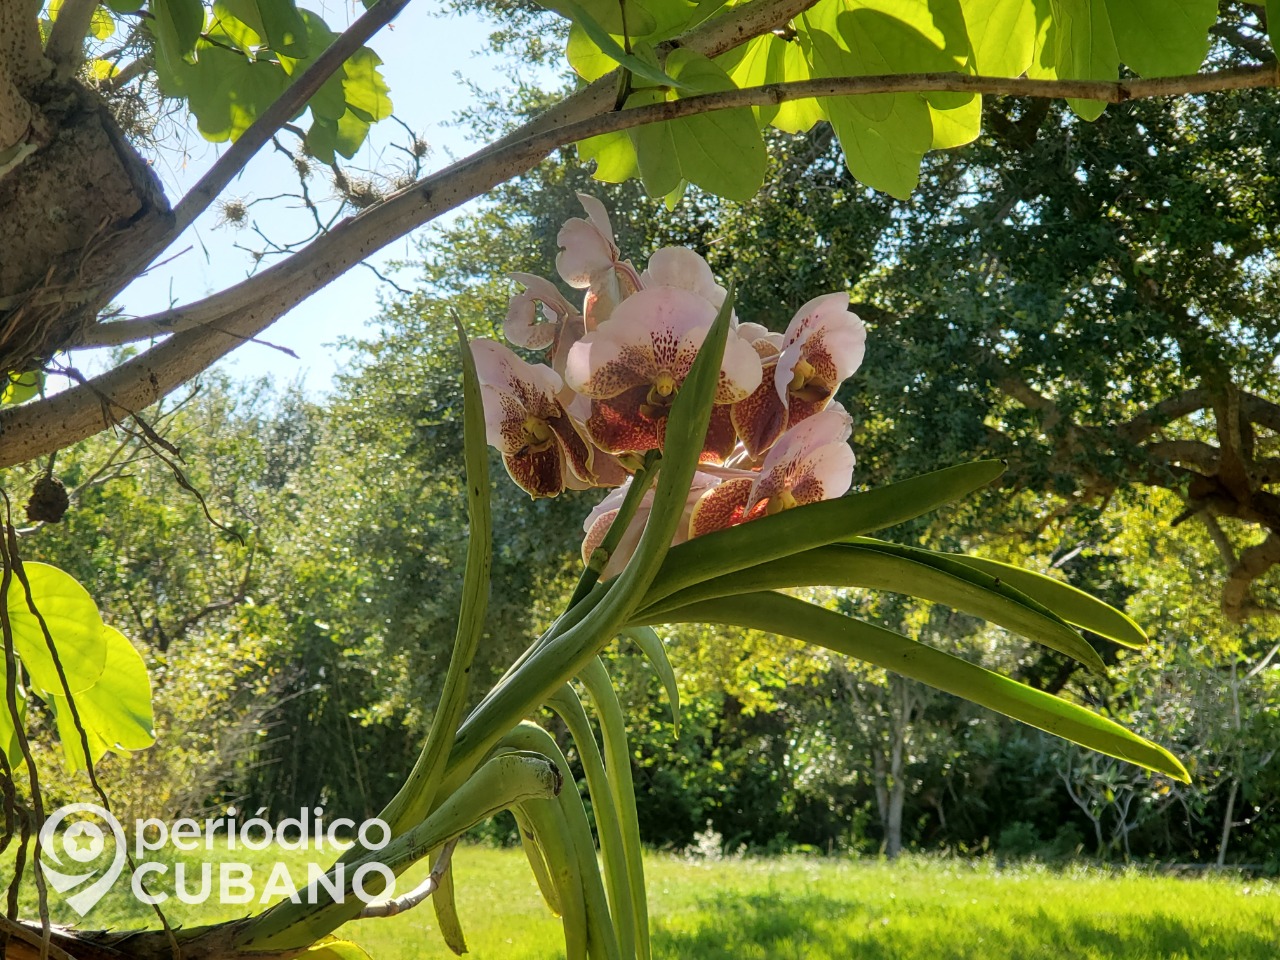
[(277, 115)]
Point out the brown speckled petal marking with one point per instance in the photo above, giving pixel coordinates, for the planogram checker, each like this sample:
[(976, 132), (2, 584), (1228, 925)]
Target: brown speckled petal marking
[(761, 418), (540, 473), (721, 507), (577, 451), (721, 437), (618, 425)]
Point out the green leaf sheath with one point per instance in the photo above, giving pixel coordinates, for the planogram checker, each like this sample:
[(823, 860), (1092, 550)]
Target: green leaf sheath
[(502, 781), (602, 938), (916, 574), (815, 525), (417, 795), (605, 807), (613, 729), (651, 646), (789, 617)]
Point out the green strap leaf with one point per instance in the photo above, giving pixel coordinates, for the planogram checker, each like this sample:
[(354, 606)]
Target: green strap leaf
[(790, 617), (1072, 604), (651, 646), (418, 794), (815, 525), (444, 904), (882, 566)]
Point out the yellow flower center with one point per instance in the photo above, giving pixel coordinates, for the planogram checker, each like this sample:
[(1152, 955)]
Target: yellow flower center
[(537, 435), (657, 401), (782, 501), (801, 375)]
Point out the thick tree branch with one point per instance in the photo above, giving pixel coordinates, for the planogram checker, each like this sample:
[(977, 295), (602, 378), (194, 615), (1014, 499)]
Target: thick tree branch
[(228, 318), (1253, 563), (66, 40), (1196, 452), (1140, 427)]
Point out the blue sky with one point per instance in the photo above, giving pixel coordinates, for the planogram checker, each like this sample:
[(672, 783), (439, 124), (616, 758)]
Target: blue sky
[(424, 53)]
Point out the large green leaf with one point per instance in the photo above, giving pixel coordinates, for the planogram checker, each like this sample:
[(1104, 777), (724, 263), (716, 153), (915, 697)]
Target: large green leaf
[(1161, 38), (115, 712), (815, 525), (8, 735), (277, 22), (789, 617), (614, 154), (1002, 36), (883, 566), (74, 624), (1074, 41), (176, 25), (19, 387), (722, 151)]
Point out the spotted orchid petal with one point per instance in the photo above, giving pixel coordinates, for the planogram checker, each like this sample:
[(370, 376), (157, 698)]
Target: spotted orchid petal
[(684, 269), (633, 366), (542, 447), (598, 522), (522, 325), (810, 462), (822, 348)]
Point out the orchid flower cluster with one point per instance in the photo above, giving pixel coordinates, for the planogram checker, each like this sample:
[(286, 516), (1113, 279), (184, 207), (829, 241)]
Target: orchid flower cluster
[(586, 416)]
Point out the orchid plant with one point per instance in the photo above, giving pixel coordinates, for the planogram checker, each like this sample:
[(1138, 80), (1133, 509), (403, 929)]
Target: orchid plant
[(728, 466)]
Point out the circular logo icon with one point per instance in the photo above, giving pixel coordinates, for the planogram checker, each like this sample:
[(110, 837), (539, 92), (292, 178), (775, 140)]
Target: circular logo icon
[(82, 842)]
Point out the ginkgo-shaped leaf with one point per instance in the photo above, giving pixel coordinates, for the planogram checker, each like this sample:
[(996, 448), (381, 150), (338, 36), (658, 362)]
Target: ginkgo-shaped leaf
[(115, 712), (73, 623)]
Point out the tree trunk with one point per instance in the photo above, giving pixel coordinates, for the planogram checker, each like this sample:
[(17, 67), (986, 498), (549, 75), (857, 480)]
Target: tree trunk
[(81, 209), (1228, 820)]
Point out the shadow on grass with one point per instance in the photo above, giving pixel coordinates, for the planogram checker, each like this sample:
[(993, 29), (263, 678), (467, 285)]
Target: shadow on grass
[(816, 927)]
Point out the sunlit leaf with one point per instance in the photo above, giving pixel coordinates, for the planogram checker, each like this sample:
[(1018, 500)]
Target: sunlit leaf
[(19, 387), (177, 25), (115, 712), (73, 622)]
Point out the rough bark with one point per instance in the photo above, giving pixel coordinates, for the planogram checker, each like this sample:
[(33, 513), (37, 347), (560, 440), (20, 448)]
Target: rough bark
[(76, 212)]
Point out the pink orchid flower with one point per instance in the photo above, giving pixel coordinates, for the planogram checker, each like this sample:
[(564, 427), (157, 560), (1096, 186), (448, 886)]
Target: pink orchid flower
[(633, 366), (810, 462), (589, 260), (822, 347), (542, 446), (598, 522), (561, 325)]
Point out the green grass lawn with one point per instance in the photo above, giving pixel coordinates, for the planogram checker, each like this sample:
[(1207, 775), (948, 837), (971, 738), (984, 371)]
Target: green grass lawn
[(815, 909)]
